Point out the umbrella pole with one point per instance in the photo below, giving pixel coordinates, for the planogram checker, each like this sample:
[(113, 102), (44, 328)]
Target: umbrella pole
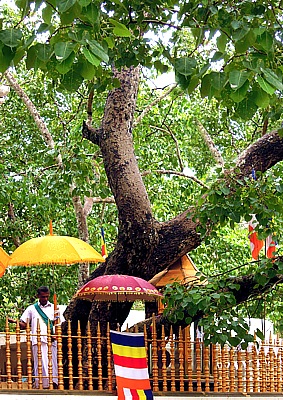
[(117, 313), (56, 310)]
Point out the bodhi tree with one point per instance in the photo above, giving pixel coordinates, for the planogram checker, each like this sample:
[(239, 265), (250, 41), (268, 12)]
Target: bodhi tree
[(229, 53)]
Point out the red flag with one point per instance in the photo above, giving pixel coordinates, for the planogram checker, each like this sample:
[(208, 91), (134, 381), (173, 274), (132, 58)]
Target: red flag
[(270, 247), (256, 244)]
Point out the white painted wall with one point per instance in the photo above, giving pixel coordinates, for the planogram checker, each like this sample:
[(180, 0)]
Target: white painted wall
[(133, 318)]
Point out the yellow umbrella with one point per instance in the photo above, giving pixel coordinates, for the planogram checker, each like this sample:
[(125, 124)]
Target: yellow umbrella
[(53, 249), (4, 260)]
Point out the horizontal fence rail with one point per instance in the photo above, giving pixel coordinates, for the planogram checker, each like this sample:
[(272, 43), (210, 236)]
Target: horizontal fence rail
[(175, 362)]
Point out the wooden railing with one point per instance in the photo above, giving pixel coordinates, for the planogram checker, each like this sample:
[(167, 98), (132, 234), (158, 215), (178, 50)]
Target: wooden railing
[(176, 363)]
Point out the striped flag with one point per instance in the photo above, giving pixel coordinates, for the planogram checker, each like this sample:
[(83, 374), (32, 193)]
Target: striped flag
[(103, 244), (130, 366), (255, 243)]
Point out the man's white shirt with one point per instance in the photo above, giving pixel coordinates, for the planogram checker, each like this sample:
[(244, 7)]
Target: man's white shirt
[(31, 314)]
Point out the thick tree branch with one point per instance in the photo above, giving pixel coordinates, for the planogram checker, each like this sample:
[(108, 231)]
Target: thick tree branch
[(171, 172), (109, 200), (168, 131), (11, 216), (261, 155), (117, 150), (90, 133), (34, 113), (211, 145), (249, 289)]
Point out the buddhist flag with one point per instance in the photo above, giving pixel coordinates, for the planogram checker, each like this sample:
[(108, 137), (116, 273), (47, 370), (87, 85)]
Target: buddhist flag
[(270, 247), (130, 366), (103, 245), (255, 243)]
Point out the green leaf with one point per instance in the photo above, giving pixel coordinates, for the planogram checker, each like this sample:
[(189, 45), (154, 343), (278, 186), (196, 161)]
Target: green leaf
[(84, 3), (236, 24), (272, 78), (222, 41), (87, 70), (47, 14), (24, 5), (252, 65), (205, 86), (246, 42), (265, 41), (91, 13), (238, 78), (246, 108), (225, 190), (42, 28), (43, 51), (7, 55), (63, 50), (260, 334), (120, 29), (261, 98), (31, 57), (72, 80), (265, 85), (198, 35), (185, 66), (182, 80), (217, 56), (240, 94), (110, 42), (64, 5), (11, 37), (218, 80), (98, 50), (234, 341), (71, 14), (194, 81), (90, 57), (66, 65)]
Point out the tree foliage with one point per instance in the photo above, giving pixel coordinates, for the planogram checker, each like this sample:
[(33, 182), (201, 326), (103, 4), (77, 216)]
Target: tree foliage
[(233, 52), (178, 167)]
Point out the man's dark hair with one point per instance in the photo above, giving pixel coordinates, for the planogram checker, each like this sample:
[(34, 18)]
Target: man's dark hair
[(42, 289)]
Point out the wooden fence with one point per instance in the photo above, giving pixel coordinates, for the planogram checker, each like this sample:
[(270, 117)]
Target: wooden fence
[(175, 362)]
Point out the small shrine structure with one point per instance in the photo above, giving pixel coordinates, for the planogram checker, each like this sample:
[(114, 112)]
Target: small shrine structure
[(183, 271)]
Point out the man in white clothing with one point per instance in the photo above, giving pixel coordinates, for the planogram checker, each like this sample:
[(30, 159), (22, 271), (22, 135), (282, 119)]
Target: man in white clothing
[(42, 311)]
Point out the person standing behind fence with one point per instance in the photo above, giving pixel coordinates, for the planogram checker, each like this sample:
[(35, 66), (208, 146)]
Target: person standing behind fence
[(42, 311)]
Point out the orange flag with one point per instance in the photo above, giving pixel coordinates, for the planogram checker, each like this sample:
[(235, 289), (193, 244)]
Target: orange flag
[(270, 247), (255, 243)]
